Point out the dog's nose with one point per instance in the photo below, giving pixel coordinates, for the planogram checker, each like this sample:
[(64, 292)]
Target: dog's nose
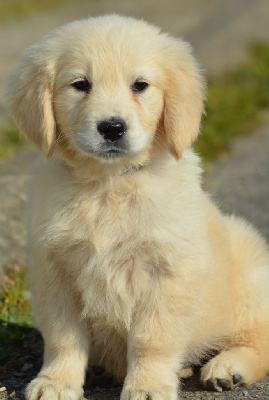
[(112, 129)]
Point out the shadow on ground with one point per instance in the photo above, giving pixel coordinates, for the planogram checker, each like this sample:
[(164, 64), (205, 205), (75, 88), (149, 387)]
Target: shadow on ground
[(21, 350)]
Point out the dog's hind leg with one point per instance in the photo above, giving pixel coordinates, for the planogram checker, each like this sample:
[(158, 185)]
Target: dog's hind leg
[(246, 360), (233, 367)]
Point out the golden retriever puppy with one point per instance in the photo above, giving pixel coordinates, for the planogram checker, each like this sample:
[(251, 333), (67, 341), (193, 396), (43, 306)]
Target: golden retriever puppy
[(131, 266)]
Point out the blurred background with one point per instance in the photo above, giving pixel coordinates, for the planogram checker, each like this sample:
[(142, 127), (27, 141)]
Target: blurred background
[(218, 30), (230, 39)]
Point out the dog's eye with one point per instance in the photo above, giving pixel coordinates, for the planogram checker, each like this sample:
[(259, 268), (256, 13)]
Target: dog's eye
[(139, 86), (83, 85)]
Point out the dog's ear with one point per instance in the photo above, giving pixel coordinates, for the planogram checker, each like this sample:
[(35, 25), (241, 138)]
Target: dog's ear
[(183, 96), (29, 95)]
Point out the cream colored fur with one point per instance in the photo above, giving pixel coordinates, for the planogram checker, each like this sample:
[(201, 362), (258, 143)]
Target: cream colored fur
[(131, 266)]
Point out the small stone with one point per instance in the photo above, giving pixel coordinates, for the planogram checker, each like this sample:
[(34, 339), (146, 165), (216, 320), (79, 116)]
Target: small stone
[(12, 394), (245, 393), (27, 367), (3, 389)]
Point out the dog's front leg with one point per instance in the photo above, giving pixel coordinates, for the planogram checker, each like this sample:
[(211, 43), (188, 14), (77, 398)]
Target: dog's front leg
[(156, 343), (66, 340)]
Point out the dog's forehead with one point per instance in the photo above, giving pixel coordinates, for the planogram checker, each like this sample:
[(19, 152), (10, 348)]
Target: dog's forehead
[(115, 49)]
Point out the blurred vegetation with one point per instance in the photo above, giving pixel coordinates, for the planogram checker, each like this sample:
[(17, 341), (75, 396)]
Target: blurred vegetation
[(236, 103), (14, 302), (20, 8), (10, 139)]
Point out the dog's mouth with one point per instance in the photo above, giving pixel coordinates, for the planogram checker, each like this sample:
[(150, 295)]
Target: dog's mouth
[(104, 151), (112, 153)]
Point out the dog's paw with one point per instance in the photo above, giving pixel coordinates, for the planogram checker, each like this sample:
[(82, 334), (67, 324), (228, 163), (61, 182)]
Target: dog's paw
[(220, 376), (45, 388), (140, 394)]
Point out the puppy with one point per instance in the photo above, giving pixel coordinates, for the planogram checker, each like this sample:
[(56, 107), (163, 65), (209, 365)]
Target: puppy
[(131, 266)]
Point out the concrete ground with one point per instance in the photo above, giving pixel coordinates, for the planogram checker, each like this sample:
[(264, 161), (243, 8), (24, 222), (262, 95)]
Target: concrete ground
[(219, 31)]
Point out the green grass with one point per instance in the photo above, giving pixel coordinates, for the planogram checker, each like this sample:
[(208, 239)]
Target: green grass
[(236, 103), (10, 139), (20, 8), (14, 303)]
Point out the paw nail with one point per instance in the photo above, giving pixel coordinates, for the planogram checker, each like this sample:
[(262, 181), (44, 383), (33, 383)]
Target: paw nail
[(236, 379), (223, 383), (210, 385)]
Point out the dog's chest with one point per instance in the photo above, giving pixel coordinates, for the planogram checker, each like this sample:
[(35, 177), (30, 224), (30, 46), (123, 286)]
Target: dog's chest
[(111, 286), (107, 242), (117, 274)]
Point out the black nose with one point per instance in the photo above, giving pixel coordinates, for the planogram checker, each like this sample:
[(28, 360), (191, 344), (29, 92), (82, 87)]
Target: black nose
[(112, 129)]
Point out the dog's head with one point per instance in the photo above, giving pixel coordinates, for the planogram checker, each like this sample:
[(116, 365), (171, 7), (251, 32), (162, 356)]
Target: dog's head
[(108, 88)]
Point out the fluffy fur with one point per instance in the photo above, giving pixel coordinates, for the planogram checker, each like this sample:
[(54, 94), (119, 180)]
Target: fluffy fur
[(131, 266)]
